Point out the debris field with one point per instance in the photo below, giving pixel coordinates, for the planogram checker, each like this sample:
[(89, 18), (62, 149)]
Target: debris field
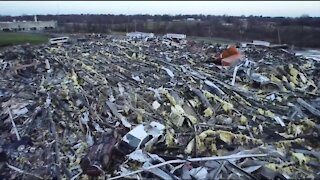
[(112, 108)]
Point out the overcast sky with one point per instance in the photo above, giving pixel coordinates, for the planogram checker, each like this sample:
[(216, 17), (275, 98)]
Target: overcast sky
[(236, 8)]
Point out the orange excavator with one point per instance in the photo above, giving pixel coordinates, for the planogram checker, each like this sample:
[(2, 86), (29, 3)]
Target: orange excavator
[(228, 57)]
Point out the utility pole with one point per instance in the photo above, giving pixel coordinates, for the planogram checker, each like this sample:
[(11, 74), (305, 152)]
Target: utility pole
[(111, 23), (127, 23), (279, 39)]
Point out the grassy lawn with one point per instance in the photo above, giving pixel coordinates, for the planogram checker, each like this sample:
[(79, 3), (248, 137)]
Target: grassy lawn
[(118, 33), (13, 38), (212, 40)]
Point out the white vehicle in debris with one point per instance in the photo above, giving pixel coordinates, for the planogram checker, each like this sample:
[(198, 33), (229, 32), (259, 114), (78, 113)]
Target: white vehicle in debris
[(141, 136)]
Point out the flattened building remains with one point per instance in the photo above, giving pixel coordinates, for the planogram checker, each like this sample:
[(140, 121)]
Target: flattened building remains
[(139, 35), (141, 103), (27, 25)]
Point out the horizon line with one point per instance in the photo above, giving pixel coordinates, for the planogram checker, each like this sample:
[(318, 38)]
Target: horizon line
[(163, 15)]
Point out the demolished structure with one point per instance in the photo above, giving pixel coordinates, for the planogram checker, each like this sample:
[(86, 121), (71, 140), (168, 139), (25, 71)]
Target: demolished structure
[(135, 109), (139, 35), (175, 36)]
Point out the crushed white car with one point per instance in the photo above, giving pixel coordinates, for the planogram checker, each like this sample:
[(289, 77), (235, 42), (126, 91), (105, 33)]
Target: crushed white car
[(141, 136)]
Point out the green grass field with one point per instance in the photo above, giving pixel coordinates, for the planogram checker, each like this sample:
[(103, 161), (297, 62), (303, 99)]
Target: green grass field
[(13, 38), (118, 33), (212, 40)]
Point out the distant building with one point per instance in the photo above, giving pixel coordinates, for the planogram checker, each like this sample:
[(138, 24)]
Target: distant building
[(191, 19), (175, 36), (227, 24), (139, 35), (259, 43), (27, 25)]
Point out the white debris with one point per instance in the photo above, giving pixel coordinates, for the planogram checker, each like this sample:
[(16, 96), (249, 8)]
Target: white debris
[(48, 101), (252, 168), (184, 69), (85, 118), (97, 127), (20, 111), (156, 92), (169, 72), (260, 78), (115, 112), (279, 120), (125, 122), (47, 65), (137, 78), (271, 97), (89, 138), (138, 155), (111, 98), (155, 105), (157, 171), (235, 75), (199, 173), (121, 89)]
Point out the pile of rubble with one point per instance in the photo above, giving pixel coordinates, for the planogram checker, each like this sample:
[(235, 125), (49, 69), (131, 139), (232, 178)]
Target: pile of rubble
[(134, 109)]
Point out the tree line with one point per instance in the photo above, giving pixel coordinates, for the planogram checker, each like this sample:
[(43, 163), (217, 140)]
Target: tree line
[(302, 31)]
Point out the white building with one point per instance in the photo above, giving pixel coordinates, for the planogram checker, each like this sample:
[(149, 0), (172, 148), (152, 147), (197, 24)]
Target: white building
[(260, 43), (191, 19), (227, 24), (27, 25)]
